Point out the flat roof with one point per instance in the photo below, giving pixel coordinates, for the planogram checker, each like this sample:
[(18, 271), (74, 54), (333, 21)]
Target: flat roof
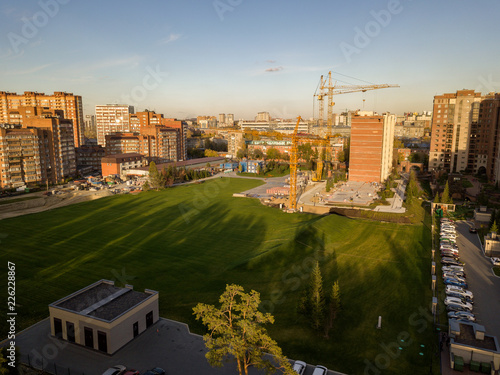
[(103, 300), (186, 163), (468, 337)]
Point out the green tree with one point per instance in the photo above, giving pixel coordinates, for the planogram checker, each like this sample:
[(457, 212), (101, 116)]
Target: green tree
[(156, 180), (258, 154), (436, 198), (259, 169), (236, 330), (334, 306), (317, 298), (494, 228), (145, 186), (412, 190), (240, 154), (273, 154), (341, 156), (493, 217), (445, 197)]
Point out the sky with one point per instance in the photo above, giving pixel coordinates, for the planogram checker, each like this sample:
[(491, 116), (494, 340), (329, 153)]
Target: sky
[(185, 58)]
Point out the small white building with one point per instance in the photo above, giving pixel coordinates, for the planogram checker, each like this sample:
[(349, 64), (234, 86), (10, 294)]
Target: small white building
[(103, 316)]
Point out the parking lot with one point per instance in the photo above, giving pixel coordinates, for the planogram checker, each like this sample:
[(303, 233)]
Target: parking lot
[(167, 344), (482, 282)]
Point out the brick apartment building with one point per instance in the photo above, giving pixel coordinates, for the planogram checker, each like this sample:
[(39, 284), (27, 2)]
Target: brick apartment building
[(119, 163), (70, 104), (88, 158), (371, 150), (37, 147), (147, 133), (465, 133)]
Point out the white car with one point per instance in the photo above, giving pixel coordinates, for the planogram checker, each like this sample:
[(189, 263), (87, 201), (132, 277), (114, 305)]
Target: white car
[(320, 370), (115, 370), (299, 367), (495, 261), (452, 268), (457, 301), (457, 289)]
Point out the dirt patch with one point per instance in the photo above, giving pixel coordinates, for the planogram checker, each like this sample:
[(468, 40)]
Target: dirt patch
[(44, 203), (371, 215)]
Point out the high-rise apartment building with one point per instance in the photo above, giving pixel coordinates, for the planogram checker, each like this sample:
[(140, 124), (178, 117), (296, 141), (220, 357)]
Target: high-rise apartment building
[(371, 149), (112, 118), (36, 148), (229, 119), (70, 104), (453, 116), (235, 141), (263, 116), (222, 119)]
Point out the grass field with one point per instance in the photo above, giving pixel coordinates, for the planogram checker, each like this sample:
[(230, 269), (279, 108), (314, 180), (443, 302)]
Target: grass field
[(189, 242)]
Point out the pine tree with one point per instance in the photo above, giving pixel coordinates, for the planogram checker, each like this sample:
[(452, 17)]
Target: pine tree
[(317, 298), (436, 198), (494, 228), (445, 197), (334, 306)]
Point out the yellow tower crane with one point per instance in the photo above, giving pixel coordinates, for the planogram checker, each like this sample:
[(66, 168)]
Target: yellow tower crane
[(327, 86), (293, 167)]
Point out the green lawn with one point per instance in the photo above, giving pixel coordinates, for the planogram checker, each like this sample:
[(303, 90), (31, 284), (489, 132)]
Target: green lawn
[(188, 242)]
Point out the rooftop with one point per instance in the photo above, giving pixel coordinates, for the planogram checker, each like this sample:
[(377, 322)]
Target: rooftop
[(103, 300), (467, 337)]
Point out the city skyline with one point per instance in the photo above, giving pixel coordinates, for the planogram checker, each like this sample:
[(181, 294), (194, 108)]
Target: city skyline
[(186, 59)]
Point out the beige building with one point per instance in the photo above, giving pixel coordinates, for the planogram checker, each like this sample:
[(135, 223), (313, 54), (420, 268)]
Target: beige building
[(113, 118), (102, 316), (70, 104), (453, 115)]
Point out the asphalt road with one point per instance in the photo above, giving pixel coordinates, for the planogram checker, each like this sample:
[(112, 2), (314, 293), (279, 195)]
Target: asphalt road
[(482, 282)]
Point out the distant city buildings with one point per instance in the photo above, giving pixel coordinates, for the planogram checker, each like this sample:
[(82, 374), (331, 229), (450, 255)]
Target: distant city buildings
[(371, 148), (88, 159), (36, 147), (206, 122), (69, 104)]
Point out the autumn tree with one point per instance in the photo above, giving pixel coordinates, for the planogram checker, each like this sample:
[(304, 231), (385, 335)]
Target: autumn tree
[(236, 330), (273, 154), (494, 228), (211, 153)]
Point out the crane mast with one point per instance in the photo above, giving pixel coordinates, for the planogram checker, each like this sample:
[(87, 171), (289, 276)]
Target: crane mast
[(293, 167)]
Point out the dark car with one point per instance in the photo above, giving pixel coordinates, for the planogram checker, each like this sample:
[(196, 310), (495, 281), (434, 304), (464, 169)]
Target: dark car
[(451, 281), (155, 371), (472, 230)]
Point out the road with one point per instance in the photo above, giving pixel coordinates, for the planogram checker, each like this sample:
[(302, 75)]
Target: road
[(482, 282)]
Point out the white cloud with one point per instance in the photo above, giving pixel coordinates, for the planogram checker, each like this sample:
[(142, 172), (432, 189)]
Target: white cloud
[(277, 69), (31, 70), (170, 38)]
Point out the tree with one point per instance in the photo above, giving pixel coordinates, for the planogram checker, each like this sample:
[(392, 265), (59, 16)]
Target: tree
[(436, 198), (145, 186), (258, 154), (211, 153), (494, 228), (317, 298), (156, 180), (273, 154), (334, 307), (412, 190), (240, 154), (341, 156), (445, 197), (236, 330)]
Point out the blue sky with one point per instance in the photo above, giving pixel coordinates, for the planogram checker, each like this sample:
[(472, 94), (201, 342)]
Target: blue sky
[(188, 58)]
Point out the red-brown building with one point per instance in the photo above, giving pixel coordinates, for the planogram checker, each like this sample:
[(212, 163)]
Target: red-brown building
[(117, 164), (71, 106), (371, 150)]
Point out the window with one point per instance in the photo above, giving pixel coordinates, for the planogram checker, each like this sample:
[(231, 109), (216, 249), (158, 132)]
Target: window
[(89, 337), (149, 319), (70, 331), (57, 328)]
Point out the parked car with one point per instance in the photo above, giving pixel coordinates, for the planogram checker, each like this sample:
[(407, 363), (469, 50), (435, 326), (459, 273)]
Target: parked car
[(457, 289), (462, 315), (450, 254), (495, 261), (453, 268), (320, 370), (453, 276), (299, 367), (457, 301), (456, 307), (450, 281), (132, 372), (451, 251), (472, 230), (155, 371), (450, 261), (455, 273), (115, 370), (464, 299)]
